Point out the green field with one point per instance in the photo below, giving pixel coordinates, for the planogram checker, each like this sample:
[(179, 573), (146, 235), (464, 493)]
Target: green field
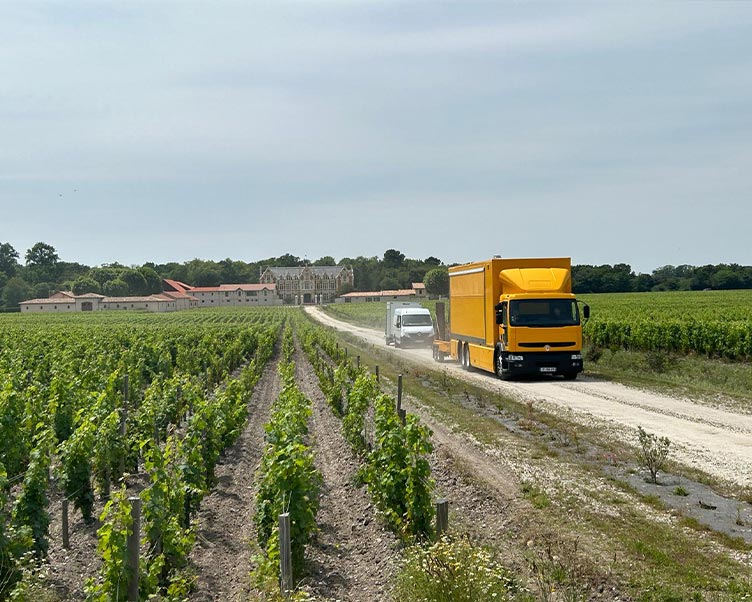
[(709, 323)]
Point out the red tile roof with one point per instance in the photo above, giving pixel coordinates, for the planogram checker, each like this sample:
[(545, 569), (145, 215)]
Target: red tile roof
[(232, 287), (149, 299), (176, 285)]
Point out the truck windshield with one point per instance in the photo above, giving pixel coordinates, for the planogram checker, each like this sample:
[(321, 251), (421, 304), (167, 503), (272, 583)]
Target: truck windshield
[(416, 320), (544, 312)]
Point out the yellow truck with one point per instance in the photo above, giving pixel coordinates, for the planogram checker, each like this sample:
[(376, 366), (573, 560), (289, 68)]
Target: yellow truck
[(513, 317)]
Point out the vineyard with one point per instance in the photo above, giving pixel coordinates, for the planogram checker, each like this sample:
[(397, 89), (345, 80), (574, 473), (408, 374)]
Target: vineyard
[(716, 324), (107, 413)]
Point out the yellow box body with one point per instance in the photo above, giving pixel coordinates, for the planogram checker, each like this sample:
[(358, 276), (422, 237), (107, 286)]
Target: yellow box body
[(476, 288)]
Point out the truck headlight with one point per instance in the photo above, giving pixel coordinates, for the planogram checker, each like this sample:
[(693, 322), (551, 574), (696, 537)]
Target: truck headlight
[(576, 356), (515, 358)]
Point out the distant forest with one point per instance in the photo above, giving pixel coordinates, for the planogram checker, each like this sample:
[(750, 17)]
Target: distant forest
[(42, 272)]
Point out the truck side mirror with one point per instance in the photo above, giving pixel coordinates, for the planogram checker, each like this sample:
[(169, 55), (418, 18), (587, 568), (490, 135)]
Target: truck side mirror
[(586, 311), (500, 317), (399, 322)]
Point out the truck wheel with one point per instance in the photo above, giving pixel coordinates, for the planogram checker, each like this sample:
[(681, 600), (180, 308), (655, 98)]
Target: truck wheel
[(570, 375), (440, 357), (497, 366), (465, 357)]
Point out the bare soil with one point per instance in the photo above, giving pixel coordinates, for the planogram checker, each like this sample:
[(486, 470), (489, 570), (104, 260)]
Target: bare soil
[(354, 557), (221, 557)]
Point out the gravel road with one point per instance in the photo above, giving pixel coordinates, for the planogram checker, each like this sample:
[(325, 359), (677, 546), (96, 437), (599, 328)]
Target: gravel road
[(718, 442)]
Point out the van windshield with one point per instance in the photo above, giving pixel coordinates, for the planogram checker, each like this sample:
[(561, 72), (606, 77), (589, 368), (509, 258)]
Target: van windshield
[(544, 312), (416, 320)]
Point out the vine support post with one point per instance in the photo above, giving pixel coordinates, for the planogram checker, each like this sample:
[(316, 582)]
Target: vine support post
[(442, 517), (357, 360), (399, 393), (123, 431), (285, 555), (134, 539), (66, 534), (126, 389), (377, 373)]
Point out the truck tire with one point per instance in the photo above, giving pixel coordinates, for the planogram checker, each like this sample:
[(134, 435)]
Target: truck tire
[(465, 356), (497, 365), (570, 375)]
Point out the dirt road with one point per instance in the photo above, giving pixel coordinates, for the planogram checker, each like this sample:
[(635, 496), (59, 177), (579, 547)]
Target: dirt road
[(718, 442)]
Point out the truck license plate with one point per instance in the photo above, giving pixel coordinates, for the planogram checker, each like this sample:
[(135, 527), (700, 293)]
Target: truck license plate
[(547, 369)]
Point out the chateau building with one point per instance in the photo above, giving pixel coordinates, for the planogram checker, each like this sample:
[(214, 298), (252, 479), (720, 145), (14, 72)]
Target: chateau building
[(308, 284)]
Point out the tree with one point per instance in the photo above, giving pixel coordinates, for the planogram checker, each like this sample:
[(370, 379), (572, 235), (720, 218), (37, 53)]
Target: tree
[(115, 288), (152, 279), (86, 284), (42, 290), (8, 259), (135, 281), (432, 261), (325, 260), (344, 289), (388, 283), (437, 282), (15, 291), (41, 261), (393, 258)]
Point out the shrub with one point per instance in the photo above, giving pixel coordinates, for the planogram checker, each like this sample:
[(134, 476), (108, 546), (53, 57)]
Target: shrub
[(652, 452)]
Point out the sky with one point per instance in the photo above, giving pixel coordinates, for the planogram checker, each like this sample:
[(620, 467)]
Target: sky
[(616, 132)]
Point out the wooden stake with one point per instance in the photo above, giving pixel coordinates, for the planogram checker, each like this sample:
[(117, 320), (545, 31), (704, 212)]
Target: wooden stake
[(399, 392), (285, 555), (377, 374), (358, 362), (134, 539), (442, 517), (66, 534)]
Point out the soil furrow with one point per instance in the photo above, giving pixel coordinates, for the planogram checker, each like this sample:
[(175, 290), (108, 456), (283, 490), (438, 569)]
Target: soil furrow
[(353, 557), (222, 554)]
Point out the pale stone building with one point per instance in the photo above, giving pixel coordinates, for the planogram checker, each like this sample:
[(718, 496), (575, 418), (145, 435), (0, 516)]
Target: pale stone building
[(228, 295), (308, 284)]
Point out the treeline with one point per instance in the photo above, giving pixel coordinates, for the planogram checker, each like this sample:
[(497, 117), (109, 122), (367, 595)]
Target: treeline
[(42, 273), (620, 278)]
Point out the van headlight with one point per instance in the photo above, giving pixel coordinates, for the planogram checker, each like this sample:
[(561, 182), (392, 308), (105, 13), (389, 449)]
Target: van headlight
[(576, 356), (515, 358)]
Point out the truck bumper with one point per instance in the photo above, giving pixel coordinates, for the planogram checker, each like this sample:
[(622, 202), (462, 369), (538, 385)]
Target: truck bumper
[(552, 362)]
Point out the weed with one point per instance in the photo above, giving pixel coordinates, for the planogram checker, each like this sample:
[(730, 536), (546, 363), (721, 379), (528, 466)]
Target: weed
[(679, 490), (593, 353), (659, 361), (455, 570), (538, 498), (653, 452)]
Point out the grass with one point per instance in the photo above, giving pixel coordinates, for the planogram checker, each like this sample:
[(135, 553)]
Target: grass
[(570, 496)]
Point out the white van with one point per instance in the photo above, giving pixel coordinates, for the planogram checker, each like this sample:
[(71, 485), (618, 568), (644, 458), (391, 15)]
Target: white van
[(408, 324)]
